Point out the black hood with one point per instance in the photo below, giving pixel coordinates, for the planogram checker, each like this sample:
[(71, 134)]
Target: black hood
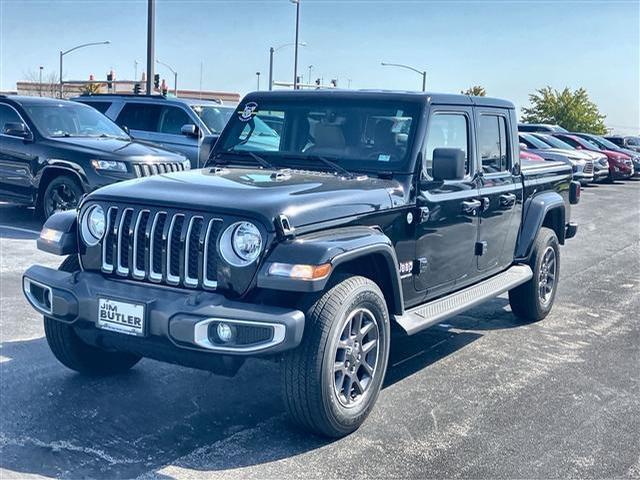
[(116, 149), (304, 197)]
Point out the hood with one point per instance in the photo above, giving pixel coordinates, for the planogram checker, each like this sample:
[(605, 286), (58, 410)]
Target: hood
[(116, 149), (305, 197), (571, 154)]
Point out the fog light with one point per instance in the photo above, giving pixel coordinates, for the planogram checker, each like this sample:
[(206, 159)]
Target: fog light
[(225, 332)]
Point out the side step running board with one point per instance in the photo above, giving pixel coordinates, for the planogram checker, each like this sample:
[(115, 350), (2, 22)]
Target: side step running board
[(430, 313)]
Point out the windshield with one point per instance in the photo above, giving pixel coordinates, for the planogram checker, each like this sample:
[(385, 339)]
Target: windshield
[(533, 142), (554, 142), (603, 142), (357, 135), (213, 116), (72, 120)]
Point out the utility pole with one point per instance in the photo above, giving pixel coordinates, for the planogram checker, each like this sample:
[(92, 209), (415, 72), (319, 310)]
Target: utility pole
[(258, 77), (151, 38), (295, 60), (135, 70), (40, 81), (310, 67)]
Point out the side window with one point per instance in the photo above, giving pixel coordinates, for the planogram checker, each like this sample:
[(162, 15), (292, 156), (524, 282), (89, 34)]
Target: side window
[(140, 116), (172, 119), (447, 130), (7, 115), (100, 106), (492, 143)]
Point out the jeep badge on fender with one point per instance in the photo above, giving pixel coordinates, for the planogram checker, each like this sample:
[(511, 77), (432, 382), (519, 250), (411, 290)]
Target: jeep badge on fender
[(320, 219)]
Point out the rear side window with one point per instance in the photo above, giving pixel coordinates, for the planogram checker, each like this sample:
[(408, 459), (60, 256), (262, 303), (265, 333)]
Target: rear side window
[(140, 116), (172, 119), (493, 144), (447, 130), (7, 115), (102, 107)]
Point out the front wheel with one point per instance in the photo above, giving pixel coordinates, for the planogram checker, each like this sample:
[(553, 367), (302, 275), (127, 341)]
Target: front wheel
[(62, 193), (332, 380), (72, 352), (532, 301)]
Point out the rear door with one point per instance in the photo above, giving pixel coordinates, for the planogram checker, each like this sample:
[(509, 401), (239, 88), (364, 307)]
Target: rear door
[(448, 227), (500, 189), (17, 157)]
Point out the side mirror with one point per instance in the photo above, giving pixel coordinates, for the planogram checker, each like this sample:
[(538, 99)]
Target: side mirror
[(126, 129), (190, 130), (448, 164), (17, 129), (523, 146), (578, 147)]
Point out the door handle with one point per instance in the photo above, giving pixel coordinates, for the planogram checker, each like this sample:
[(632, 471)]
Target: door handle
[(507, 200), (470, 206)]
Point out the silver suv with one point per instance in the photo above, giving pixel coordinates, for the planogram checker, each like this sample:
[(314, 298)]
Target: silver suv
[(185, 125)]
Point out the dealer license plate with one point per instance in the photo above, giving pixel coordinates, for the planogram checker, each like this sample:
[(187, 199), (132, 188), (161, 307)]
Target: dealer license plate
[(122, 317)]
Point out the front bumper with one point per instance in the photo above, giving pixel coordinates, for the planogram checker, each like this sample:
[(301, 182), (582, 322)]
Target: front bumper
[(171, 315)]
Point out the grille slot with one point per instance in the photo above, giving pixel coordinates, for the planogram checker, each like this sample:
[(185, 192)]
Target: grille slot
[(148, 169), (588, 167), (178, 249)]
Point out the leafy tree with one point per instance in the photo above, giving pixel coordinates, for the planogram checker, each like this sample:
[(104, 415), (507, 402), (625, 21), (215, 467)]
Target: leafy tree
[(476, 91), (571, 110)]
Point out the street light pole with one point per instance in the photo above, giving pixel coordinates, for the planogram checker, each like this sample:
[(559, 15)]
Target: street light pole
[(40, 81), (77, 47), (423, 73), (258, 77), (175, 76), (151, 40), (273, 50), (310, 67), (295, 58)]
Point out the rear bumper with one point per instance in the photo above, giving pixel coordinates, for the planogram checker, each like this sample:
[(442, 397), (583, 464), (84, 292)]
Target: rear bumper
[(176, 319)]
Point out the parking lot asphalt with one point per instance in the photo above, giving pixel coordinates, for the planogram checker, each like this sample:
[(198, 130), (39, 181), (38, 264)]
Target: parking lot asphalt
[(478, 397)]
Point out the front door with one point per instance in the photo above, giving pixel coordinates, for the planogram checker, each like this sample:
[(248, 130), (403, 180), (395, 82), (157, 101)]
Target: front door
[(16, 161), (500, 190), (447, 228)]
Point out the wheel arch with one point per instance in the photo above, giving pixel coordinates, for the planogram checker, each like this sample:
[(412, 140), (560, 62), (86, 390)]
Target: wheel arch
[(48, 173), (543, 210)]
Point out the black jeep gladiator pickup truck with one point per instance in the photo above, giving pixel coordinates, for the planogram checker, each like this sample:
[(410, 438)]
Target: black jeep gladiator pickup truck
[(366, 211)]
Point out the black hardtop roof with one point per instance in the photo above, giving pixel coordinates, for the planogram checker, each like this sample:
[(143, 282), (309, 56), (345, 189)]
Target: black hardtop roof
[(28, 100), (405, 96)]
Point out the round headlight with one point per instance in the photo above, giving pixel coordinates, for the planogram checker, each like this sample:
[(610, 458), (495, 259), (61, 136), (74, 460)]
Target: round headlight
[(93, 225), (247, 241), (241, 244)]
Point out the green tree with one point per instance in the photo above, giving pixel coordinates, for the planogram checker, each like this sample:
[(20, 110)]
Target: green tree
[(571, 110), (476, 91)]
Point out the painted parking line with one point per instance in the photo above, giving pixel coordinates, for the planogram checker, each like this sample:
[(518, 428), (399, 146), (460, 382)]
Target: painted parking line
[(20, 229)]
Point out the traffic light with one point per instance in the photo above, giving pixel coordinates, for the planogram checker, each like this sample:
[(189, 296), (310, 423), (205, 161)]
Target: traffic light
[(156, 80), (136, 88), (109, 80), (317, 83), (163, 88), (334, 83)]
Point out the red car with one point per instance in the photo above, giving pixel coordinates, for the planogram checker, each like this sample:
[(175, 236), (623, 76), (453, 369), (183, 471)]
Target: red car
[(620, 164), (530, 157)]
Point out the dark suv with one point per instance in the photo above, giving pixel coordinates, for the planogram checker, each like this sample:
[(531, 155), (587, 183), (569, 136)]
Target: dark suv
[(54, 151), (366, 211), (188, 126)]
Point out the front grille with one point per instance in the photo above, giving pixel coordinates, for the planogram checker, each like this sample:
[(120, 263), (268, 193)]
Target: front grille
[(588, 167), (177, 249), (148, 169)]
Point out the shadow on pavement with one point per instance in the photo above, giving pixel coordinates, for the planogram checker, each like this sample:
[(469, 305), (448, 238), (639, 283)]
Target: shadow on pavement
[(127, 425)]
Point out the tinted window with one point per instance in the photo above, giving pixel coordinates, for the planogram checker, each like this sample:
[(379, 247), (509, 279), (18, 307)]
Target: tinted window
[(100, 106), (70, 119), (447, 130), (570, 141), (492, 143), (140, 116), (8, 115), (633, 141), (172, 119), (215, 118)]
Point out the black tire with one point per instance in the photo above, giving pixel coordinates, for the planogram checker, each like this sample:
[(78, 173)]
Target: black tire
[(315, 393), (61, 193), (527, 301), (77, 355)]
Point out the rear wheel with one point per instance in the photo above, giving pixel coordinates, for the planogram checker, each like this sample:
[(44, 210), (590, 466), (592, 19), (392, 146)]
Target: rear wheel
[(332, 380), (77, 355), (62, 193), (532, 301)]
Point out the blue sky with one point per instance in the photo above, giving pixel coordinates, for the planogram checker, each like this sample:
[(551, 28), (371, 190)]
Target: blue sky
[(509, 47)]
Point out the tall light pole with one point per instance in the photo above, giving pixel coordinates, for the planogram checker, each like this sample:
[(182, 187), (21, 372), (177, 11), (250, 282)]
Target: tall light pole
[(40, 81), (151, 43), (258, 80), (273, 50), (77, 47), (310, 67), (295, 57), (175, 76), (421, 72)]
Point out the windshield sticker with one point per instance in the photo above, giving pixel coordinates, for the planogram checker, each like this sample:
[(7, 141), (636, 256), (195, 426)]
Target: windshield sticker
[(248, 112), (384, 158)]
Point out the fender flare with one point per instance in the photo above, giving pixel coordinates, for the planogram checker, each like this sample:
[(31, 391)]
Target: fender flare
[(536, 209), (337, 247), (61, 166)]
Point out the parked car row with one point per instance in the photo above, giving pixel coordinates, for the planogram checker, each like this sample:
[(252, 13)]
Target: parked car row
[(592, 158)]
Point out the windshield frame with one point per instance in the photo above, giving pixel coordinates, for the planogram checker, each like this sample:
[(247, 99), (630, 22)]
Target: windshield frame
[(291, 159), (117, 133)]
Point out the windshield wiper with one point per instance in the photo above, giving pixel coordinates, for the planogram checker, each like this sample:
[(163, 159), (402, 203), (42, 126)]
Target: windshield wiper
[(336, 167), (258, 159)]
